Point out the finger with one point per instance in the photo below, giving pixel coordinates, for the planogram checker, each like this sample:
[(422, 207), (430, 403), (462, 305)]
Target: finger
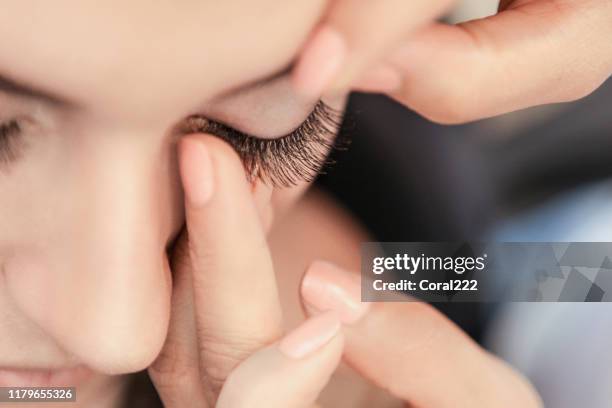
[(353, 36), (235, 294), (175, 372), (537, 53), (412, 350), (381, 78), (290, 373)]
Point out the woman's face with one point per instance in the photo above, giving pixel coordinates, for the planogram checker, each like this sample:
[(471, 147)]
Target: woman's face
[(91, 97)]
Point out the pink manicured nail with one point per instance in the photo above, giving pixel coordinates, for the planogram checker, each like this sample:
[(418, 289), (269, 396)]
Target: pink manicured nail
[(319, 63), (327, 287), (196, 171), (310, 336)]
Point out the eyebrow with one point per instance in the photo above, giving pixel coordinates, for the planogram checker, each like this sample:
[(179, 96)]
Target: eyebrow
[(15, 87)]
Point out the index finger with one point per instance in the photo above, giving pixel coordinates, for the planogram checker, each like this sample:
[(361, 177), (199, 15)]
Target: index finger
[(235, 294), (412, 350)]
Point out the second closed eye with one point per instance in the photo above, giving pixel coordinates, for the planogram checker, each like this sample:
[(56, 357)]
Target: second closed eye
[(9, 138)]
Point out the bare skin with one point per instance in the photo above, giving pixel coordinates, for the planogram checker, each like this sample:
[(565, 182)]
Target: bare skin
[(96, 192), (97, 177), (228, 356), (532, 52)]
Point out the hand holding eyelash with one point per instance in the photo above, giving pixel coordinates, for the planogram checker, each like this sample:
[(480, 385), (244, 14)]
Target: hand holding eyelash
[(532, 52), (224, 345)]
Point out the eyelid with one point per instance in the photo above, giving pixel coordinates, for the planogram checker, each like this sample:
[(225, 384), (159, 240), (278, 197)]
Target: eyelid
[(269, 111), (279, 76), (320, 112)]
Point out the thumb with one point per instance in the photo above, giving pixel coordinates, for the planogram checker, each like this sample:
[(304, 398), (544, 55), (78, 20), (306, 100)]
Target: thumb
[(290, 373)]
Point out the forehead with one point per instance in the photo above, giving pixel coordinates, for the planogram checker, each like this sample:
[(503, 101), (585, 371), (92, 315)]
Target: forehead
[(165, 54)]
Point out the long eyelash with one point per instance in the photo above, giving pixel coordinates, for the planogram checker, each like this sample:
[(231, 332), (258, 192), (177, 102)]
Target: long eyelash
[(283, 162), (9, 150)]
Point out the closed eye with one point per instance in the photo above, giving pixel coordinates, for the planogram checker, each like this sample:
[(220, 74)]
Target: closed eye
[(10, 138), (285, 161)]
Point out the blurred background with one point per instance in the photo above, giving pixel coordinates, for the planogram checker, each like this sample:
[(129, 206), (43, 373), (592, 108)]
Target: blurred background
[(542, 174)]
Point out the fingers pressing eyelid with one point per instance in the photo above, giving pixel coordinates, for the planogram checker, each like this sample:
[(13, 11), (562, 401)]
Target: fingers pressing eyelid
[(320, 62), (353, 36), (230, 259)]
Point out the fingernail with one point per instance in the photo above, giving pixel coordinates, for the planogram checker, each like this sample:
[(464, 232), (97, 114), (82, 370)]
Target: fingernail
[(196, 171), (319, 62), (327, 287), (310, 336)]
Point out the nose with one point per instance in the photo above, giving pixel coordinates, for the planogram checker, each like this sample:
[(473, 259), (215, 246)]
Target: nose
[(102, 287)]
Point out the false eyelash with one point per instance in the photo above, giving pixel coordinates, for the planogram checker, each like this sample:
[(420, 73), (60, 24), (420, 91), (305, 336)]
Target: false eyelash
[(9, 150), (283, 162)]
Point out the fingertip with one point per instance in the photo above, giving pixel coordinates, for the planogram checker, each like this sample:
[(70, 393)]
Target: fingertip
[(326, 287), (310, 336), (202, 151), (196, 170), (320, 62)]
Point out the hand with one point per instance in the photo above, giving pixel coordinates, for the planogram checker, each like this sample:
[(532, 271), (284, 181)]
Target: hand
[(220, 353), (411, 350), (532, 52), (225, 306)]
